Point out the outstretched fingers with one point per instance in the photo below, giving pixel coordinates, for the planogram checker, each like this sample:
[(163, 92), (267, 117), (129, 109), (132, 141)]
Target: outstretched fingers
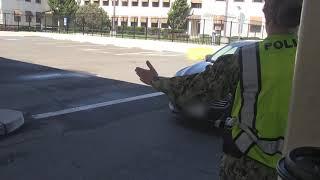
[(150, 66)]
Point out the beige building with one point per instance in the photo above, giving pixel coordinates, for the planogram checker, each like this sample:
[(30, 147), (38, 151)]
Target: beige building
[(22, 12), (244, 17)]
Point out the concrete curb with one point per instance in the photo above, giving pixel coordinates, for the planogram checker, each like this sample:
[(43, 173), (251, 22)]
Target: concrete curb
[(10, 121)]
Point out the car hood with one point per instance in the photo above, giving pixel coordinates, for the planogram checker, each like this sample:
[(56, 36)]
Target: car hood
[(194, 69)]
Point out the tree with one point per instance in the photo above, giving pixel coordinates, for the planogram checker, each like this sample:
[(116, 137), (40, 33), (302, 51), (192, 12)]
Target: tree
[(92, 16), (177, 16), (63, 7)]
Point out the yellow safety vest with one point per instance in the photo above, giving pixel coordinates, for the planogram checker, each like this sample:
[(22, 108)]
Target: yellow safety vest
[(262, 97)]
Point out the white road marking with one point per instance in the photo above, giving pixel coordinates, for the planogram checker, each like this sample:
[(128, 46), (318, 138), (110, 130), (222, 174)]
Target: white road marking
[(12, 39), (147, 54), (79, 45), (162, 55), (95, 106), (49, 43), (90, 49)]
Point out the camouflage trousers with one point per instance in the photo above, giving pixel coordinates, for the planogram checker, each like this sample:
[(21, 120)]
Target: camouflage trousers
[(245, 169)]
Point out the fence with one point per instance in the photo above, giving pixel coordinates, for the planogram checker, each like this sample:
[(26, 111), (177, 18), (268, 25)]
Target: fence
[(200, 31)]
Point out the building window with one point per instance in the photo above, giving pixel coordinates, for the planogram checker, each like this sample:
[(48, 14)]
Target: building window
[(135, 3), (124, 23), (105, 3), (164, 25), (238, 0), (145, 4), (17, 17), (117, 2), (124, 3), (218, 26), (116, 22), (154, 25), (255, 28), (38, 1), (29, 16), (28, 0), (38, 17), (196, 5), (96, 2), (155, 4), (220, 0), (143, 24), (86, 2), (166, 4), (134, 23), (257, 0)]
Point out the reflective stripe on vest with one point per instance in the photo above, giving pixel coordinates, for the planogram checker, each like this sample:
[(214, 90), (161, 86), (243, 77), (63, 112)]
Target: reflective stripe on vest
[(250, 85), (247, 139)]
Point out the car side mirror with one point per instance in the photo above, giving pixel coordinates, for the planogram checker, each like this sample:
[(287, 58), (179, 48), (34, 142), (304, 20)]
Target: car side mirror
[(208, 57)]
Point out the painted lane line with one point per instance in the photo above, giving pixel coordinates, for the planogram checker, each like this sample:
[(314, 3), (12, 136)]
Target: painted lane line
[(12, 39), (147, 54), (95, 106)]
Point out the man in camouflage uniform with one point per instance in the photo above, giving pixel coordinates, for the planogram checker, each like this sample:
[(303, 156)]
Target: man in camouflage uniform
[(214, 84)]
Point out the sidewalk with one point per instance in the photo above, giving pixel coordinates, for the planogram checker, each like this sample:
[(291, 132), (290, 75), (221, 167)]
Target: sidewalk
[(120, 42)]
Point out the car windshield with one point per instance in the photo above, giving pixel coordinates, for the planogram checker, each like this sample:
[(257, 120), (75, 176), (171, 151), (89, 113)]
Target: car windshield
[(224, 51)]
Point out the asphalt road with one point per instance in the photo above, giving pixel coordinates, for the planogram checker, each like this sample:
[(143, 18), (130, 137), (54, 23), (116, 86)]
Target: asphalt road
[(121, 140)]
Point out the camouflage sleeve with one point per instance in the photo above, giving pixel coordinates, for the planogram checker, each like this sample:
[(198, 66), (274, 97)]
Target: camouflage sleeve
[(215, 83)]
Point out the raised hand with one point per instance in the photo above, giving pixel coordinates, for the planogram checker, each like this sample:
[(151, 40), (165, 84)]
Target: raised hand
[(147, 75)]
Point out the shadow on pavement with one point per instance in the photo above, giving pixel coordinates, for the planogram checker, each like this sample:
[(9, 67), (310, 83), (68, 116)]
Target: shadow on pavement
[(34, 89), (134, 140)]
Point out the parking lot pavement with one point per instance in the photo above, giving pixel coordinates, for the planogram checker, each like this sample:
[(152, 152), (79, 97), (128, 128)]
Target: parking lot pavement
[(106, 128), (105, 61)]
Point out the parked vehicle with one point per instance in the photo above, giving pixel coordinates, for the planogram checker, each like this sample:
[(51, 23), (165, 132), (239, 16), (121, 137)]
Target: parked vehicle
[(216, 109)]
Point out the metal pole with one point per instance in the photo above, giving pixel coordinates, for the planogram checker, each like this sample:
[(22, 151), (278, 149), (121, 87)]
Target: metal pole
[(40, 22), (45, 22), (74, 25), (303, 121), (159, 30), (29, 19), (83, 21), (226, 17), (172, 34), (59, 23), (5, 21), (101, 28), (204, 24), (248, 30), (189, 30), (114, 16), (122, 25), (134, 28), (92, 29), (67, 26), (230, 29), (52, 18), (146, 29)]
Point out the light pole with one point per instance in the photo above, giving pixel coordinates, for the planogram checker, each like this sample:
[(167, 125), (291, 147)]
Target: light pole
[(240, 21), (113, 18), (57, 9), (226, 18)]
